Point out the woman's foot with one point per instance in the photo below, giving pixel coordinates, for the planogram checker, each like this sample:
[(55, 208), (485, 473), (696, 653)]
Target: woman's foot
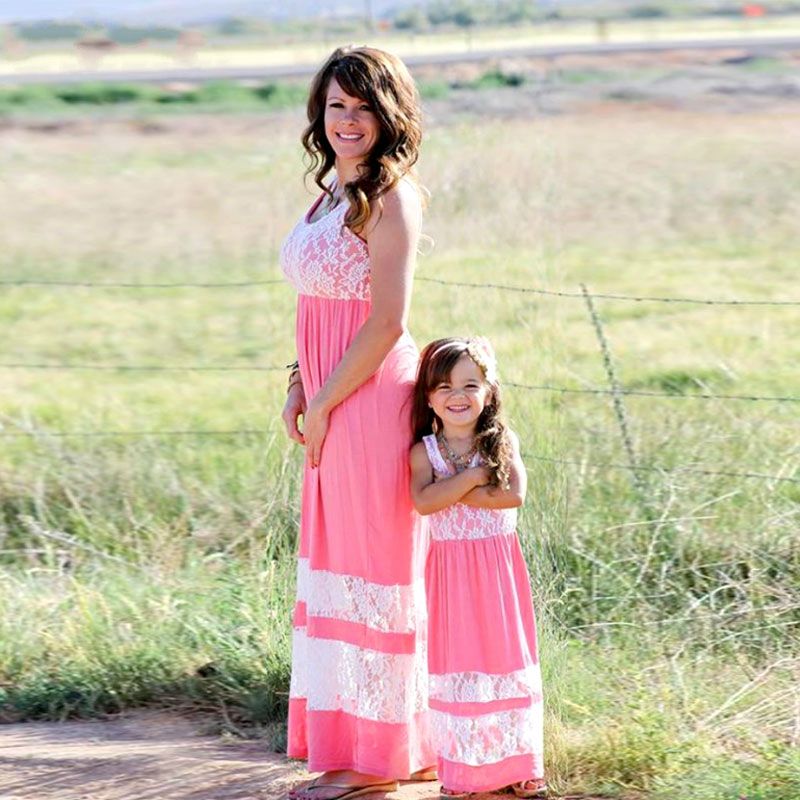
[(426, 774), (342, 785)]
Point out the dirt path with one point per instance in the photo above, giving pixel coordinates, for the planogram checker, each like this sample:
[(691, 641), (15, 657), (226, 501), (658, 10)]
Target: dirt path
[(146, 755)]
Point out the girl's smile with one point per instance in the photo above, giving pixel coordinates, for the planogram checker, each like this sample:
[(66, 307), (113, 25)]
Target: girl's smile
[(459, 402)]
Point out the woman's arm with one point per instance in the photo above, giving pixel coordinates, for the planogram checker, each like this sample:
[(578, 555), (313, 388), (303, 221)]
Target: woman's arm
[(428, 496), (494, 496), (392, 238)]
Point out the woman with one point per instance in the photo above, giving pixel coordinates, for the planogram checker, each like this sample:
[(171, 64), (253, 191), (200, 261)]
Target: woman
[(357, 707)]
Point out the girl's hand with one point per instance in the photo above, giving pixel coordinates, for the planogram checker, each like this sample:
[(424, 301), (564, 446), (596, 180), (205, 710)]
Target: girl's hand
[(480, 475), (294, 407), (315, 428)]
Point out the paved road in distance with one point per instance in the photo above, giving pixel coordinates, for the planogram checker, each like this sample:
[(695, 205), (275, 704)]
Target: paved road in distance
[(753, 45)]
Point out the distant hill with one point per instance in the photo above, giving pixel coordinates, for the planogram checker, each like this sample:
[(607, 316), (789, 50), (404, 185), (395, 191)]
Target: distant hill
[(182, 12), (198, 12)]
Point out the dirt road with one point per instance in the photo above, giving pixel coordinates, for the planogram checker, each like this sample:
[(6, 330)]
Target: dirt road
[(146, 755)]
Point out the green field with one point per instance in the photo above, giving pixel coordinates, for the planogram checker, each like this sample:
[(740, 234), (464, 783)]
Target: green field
[(158, 568)]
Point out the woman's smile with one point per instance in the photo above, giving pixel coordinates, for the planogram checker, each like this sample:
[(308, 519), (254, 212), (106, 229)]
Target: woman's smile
[(351, 125)]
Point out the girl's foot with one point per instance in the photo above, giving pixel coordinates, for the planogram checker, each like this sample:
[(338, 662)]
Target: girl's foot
[(530, 788)]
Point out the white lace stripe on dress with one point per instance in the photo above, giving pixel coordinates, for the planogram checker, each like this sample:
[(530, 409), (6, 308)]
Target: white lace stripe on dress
[(461, 521), (484, 687), (384, 687), (298, 684), (488, 738), (395, 608)]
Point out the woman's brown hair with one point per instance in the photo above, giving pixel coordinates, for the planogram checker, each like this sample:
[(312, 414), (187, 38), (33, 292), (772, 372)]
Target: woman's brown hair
[(383, 81), (491, 434)]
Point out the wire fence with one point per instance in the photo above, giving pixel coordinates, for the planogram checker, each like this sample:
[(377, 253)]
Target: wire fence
[(616, 392), (512, 384), (648, 393), (150, 367), (116, 285), (661, 470), (421, 278), (706, 301)]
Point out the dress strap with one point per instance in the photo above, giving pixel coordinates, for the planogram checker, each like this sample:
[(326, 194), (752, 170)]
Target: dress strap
[(434, 455)]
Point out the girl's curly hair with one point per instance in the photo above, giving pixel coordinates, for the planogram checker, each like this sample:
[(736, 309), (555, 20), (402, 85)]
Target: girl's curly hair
[(492, 439), (383, 81)]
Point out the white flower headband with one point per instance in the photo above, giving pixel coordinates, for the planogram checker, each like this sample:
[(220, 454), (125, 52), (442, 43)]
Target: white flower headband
[(480, 350)]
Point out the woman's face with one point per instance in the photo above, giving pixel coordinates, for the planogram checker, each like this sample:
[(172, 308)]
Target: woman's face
[(350, 124)]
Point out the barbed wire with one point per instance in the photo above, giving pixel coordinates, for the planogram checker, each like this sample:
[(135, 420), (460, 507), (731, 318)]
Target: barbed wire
[(512, 384), (150, 367), (635, 298), (648, 393), (133, 434), (532, 456), (115, 285), (421, 278), (662, 470)]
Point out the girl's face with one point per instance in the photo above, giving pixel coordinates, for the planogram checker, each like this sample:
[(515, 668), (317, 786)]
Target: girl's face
[(459, 401), (350, 124)]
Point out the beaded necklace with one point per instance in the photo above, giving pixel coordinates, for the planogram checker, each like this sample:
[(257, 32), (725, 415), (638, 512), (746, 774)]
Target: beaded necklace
[(459, 462)]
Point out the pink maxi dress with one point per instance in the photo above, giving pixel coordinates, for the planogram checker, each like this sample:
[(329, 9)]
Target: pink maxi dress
[(358, 694), (485, 683)]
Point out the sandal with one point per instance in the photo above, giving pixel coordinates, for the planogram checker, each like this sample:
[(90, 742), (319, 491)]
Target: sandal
[(296, 791), (346, 792), (427, 774), (530, 788)]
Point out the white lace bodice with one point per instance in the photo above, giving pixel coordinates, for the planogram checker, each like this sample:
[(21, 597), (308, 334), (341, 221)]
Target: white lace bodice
[(325, 258), (461, 521)]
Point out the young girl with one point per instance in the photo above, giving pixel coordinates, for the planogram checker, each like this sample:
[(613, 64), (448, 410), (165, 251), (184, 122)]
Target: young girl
[(467, 476)]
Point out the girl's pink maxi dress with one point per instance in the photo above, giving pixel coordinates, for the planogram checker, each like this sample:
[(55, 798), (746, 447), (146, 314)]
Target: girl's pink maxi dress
[(485, 684), (358, 695)]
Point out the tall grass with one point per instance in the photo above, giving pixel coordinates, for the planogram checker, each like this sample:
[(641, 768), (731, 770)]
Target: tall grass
[(158, 569)]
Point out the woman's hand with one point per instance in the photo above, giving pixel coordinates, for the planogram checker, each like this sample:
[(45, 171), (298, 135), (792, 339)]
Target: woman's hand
[(315, 428), (294, 407)]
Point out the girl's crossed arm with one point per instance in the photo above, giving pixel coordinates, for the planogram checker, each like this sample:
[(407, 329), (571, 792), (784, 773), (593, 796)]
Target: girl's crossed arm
[(428, 496), (494, 496)]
